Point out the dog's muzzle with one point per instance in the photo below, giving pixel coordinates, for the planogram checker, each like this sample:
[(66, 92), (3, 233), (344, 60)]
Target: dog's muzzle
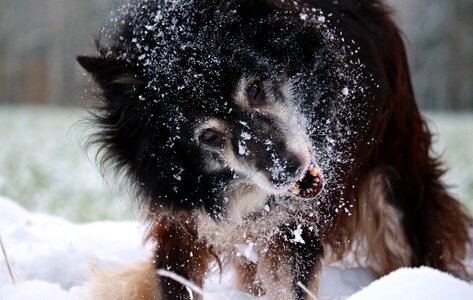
[(309, 186)]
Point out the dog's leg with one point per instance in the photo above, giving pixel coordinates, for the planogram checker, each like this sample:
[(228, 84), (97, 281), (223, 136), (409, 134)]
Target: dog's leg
[(246, 277), (289, 261), (179, 250)]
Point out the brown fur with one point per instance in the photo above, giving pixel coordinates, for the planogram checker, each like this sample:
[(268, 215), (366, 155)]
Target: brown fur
[(179, 249), (246, 279), (434, 223)]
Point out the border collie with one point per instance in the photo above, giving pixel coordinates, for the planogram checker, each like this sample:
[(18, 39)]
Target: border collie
[(267, 135)]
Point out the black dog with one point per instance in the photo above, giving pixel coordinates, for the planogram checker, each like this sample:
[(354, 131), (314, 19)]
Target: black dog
[(286, 127)]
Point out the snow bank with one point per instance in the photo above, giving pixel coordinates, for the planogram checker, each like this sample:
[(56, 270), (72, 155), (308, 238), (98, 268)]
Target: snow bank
[(415, 284), (51, 258), (49, 255), (35, 289)]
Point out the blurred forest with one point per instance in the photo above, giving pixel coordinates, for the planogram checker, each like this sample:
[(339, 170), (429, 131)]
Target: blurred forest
[(39, 40)]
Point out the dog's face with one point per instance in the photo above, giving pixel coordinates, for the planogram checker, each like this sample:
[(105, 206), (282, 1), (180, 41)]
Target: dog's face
[(203, 98), (259, 134)]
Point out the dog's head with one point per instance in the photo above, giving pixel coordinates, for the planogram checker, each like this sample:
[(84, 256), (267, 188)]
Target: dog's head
[(205, 98)]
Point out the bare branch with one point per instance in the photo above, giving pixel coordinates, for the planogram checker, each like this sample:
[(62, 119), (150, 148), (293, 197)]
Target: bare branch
[(7, 262)]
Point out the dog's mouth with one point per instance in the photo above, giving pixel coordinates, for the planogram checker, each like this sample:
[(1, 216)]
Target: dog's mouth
[(309, 186)]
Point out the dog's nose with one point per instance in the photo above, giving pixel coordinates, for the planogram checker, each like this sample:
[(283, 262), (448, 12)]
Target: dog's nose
[(293, 163), (286, 169)]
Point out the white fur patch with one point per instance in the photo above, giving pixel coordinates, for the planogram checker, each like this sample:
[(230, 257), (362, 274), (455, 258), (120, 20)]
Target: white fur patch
[(136, 282), (379, 239), (243, 200)]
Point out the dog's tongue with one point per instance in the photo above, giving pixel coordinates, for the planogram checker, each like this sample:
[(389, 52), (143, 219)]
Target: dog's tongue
[(309, 186)]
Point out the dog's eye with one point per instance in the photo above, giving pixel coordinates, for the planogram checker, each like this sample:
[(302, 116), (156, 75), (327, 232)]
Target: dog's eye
[(212, 138), (255, 94)]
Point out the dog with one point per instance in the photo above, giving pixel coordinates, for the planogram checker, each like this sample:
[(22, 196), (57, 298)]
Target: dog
[(267, 135)]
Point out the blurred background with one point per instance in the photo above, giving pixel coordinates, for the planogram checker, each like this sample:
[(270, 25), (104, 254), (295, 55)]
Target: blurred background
[(42, 164)]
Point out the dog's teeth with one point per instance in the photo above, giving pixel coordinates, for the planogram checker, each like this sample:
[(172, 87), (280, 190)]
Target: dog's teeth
[(296, 191), (313, 172)]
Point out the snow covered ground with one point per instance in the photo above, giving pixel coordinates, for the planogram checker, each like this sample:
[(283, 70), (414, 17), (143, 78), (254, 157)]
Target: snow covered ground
[(51, 258)]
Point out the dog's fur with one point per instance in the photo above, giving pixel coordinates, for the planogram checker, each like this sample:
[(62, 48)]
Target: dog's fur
[(213, 110)]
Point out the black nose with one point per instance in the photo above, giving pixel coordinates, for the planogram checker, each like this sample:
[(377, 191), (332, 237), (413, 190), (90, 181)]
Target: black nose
[(293, 163), (286, 169)]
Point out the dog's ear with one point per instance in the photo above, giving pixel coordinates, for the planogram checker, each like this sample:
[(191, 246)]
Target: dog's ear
[(111, 74)]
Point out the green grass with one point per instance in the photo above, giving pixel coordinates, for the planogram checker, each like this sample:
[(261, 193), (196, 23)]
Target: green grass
[(44, 168), (453, 140)]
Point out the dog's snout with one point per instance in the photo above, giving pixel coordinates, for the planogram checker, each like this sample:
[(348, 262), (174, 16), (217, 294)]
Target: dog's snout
[(293, 163), (286, 169)]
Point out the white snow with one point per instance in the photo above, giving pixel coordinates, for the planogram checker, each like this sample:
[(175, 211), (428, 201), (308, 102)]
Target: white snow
[(413, 284), (298, 235), (248, 251), (50, 255), (36, 289), (242, 148), (304, 16), (51, 258)]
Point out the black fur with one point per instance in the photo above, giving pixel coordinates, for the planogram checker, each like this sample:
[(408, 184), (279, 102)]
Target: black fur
[(228, 40)]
